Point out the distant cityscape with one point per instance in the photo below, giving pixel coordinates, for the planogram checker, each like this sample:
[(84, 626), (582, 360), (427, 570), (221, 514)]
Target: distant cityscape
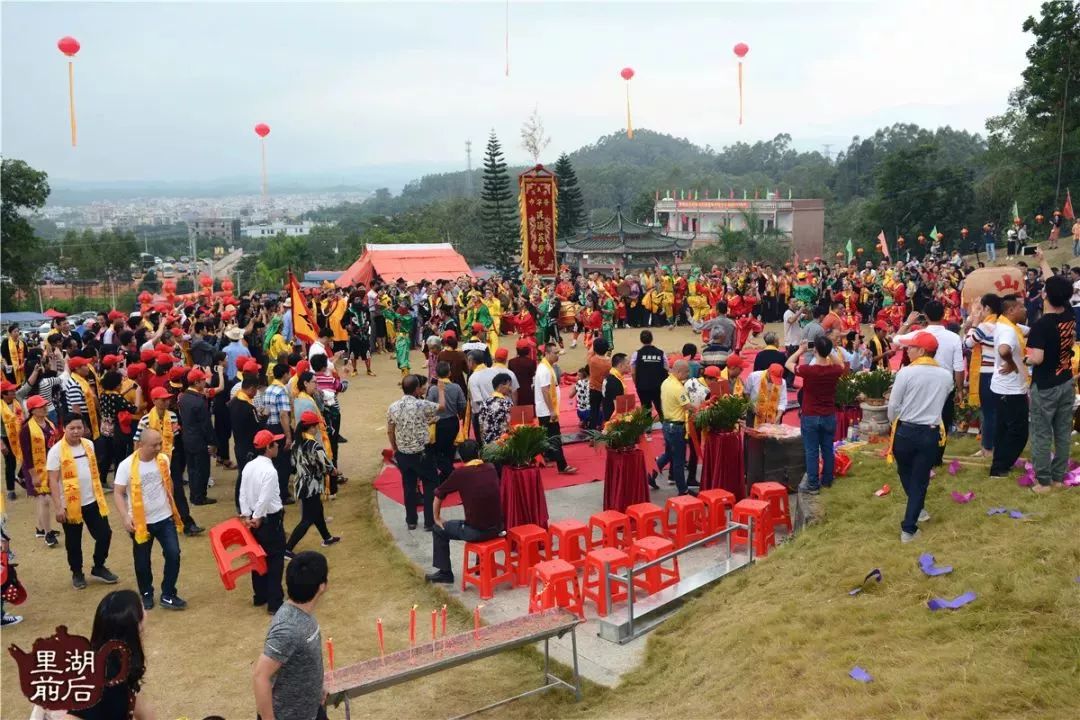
[(249, 210)]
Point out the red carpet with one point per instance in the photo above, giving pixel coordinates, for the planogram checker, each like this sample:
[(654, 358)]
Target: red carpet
[(589, 462)]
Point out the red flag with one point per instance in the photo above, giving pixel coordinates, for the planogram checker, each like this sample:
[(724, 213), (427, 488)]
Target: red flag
[(883, 244), (303, 323), (1067, 211)]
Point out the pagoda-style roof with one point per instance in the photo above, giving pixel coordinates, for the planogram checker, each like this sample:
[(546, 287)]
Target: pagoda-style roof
[(621, 235)]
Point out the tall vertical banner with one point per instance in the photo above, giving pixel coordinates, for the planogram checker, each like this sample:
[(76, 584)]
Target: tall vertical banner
[(538, 207)]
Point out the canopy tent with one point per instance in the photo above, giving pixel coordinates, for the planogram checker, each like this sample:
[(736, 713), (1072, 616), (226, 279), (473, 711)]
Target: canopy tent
[(413, 262)]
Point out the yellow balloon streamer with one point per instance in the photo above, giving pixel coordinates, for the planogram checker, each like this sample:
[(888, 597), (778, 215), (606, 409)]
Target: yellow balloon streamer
[(71, 100), (629, 125)]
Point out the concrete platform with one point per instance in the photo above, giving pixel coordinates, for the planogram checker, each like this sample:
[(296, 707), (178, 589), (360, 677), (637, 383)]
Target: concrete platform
[(600, 660)]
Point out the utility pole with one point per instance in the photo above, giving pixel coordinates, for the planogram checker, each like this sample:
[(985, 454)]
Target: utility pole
[(468, 168)]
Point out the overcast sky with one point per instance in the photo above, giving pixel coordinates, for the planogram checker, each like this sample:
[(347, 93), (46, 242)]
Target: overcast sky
[(169, 91)]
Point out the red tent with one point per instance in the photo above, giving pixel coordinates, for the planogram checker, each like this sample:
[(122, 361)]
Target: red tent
[(413, 262), (50, 313)]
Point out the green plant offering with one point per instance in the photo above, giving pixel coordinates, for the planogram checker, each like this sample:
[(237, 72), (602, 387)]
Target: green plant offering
[(847, 390), (723, 414), (875, 384), (623, 430), (518, 447)]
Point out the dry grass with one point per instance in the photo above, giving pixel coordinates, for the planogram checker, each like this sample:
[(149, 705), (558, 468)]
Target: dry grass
[(773, 641)]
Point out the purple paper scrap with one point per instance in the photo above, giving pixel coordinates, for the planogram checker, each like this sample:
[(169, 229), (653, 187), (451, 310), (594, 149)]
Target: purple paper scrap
[(1026, 480), (957, 602), (954, 467), (997, 511), (1016, 515), (875, 573), (857, 673), (926, 564)]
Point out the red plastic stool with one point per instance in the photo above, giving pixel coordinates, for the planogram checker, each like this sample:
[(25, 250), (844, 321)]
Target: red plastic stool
[(614, 530), (230, 541), (554, 583), (646, 519), (717, 503), (528, 546), (759, 510), (487, 572), (570, 540), (776, 495), (657, 577), (598, 563), (690, 522)]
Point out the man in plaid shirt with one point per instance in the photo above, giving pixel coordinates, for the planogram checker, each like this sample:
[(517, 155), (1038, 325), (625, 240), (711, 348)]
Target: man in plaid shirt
[(278, 408)]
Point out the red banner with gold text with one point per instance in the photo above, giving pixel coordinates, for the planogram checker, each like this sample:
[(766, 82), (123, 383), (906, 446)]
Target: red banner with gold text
[(538, 197)]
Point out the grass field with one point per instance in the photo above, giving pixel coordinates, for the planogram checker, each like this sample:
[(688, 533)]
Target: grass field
[(774, 641)]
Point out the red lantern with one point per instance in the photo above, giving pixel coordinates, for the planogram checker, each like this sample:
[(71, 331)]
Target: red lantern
[(940, 236), (68, 45), (1039, 218), (741, 49), (227, 286), (839, 255), (922, 239), (964, 232), (145, 298), (206, 281), (169, 287), (1017, 221), (900, 241), (859, 252), (262, 130)]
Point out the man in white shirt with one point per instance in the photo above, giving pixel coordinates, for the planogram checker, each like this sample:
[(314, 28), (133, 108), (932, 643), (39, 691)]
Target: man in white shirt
[(982, 322), (1010, 382), (915, 403), (94, 516), (158, 513), (546, 390), (260, 504), (319, 346), (949, 355), (793, 332)]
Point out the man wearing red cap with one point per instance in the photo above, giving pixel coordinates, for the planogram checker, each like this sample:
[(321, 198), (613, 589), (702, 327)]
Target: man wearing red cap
[(13, 418), (768, 394), (918, 395), (36, 438), (260, 505), (313, 468), (198, 436), (477, 343)]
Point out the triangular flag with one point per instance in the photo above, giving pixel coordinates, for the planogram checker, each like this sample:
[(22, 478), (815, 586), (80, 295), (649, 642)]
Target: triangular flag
[(1015, 212), (933, 234), (303, 323), (1067, 211), (850, 250), (883, 244)]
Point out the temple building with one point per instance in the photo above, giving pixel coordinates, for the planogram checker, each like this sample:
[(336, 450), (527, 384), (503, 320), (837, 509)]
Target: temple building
[(702, 219), (619, 245)]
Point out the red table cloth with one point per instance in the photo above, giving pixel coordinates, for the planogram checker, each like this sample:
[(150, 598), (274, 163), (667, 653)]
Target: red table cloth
[(845, 418), (722, 462), (521, 495), (624, 479)]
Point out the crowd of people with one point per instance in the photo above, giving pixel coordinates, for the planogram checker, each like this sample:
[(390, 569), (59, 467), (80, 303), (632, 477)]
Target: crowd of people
[(152, 398)]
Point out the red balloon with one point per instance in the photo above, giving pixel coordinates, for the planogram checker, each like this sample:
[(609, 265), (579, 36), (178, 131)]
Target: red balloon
[(227, 285), (206, 281), (68, 45), (262, 129), (627, 73), (741, 49)]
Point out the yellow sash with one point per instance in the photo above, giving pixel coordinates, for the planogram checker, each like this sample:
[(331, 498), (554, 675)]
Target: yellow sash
[(736, 386), (1023, 345), (39, 451), (924, 360), (554, 386), (69, 475), (975, 367), (323, 435), (138, 512), (160, 422), (17, 352), (13, 422), (768, 400), (91, 404)]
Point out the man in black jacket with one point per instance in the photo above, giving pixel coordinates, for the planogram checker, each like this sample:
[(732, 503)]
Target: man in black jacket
[(198, 434), (245, 423), (650, 371)]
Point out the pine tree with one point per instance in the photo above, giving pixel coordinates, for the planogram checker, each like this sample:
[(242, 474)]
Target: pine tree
[(571, 204), (498, 214)]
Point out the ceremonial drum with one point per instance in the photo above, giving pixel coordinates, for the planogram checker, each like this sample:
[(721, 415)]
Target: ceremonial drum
[(568, 314)]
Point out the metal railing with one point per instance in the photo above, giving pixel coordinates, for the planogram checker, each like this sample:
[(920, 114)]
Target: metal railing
[(626, 577)]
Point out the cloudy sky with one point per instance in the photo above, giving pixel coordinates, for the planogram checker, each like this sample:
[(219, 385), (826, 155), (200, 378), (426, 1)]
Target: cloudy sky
[(170, 91)]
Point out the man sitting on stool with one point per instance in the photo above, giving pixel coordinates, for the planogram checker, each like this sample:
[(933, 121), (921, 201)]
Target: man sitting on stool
[(479, 488)]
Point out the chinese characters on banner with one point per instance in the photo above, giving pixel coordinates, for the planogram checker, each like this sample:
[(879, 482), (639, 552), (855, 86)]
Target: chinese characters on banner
[(538, 205)]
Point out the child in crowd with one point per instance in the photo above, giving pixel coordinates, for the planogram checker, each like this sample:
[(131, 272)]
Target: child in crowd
[(581, 396)]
